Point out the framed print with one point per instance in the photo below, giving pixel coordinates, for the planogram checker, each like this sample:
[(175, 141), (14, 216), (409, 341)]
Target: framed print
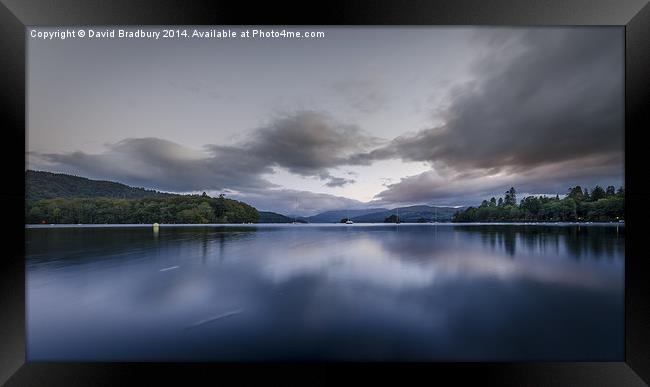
[(386, 188)]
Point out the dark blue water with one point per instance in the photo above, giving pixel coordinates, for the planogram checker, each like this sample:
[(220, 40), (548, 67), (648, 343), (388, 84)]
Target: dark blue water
[(330, 292)]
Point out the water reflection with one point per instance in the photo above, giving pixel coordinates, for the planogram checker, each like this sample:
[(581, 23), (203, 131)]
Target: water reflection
[(377, 292), (592, 242)]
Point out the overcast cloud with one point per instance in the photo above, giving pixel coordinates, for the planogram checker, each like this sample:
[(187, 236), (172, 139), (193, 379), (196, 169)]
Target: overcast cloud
[(306, 143), (540, 99)]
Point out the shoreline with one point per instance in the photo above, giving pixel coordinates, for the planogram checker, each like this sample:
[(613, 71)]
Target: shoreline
[(150, 225)]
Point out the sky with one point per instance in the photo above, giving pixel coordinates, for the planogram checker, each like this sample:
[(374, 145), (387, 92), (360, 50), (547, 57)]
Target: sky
[(362, 117)]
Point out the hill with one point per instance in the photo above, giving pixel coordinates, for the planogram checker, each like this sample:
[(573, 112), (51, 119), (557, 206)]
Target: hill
[(41, 185), (59, 198), (272, 217), (411, 214)]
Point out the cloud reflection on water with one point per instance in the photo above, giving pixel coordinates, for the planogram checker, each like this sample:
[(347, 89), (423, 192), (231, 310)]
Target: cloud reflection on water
[(424, 258), (336, 292)]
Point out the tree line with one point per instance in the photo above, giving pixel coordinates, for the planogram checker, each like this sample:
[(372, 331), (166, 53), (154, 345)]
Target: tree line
[(579, 205), (173, 209)]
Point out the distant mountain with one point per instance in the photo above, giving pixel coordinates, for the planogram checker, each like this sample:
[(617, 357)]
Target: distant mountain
[(337, 215), (272, 217), (411, 214), (47, 185)]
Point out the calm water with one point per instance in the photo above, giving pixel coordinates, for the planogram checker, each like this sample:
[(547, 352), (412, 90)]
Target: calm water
[(326, 292)]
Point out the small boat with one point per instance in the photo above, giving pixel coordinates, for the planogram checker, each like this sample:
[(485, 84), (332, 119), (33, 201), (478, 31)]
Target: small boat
[(348, 220)]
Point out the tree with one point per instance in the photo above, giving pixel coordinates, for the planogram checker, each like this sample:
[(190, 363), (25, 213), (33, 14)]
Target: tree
[(56, 215), (603, 209), (575, 193), (391, 219), (500, 203), (611, 191), (510, 198), (568, 210), (220, 207), (205, 213), (530, 207), (514, 214), (597, 193), (172, 209), (493, 202)]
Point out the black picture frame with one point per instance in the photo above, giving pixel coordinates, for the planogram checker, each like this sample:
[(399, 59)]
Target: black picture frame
[(634, 15)]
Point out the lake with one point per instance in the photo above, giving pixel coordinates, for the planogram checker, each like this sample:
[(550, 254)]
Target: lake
[(421, 292)]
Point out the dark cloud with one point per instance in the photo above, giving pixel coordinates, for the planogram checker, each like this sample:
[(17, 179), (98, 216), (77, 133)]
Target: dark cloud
[(541, 97), (306, 143), (164, 165), (338, 181)]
